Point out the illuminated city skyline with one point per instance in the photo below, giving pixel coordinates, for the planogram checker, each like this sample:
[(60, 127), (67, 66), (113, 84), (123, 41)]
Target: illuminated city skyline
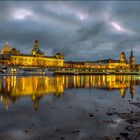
[(13, 60)]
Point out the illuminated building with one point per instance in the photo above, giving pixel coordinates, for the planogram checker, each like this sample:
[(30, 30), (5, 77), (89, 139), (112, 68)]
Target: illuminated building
[(6, 49), (75, 64), (36, 50), (123, 58), (101, 65), (13, 57)]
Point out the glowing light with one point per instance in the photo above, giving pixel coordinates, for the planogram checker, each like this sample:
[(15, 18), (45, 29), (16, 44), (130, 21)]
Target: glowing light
[(21, 14), (82, 16), (117, 27)]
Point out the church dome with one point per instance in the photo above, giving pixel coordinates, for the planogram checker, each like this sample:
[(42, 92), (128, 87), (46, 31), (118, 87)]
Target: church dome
[(6, 49), (59, 56), (36, 51)]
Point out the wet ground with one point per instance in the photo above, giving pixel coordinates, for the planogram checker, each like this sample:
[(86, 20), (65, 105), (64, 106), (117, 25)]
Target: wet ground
[(79, 114)]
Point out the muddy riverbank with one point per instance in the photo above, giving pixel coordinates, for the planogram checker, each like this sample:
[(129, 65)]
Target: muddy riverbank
[(131, 130)]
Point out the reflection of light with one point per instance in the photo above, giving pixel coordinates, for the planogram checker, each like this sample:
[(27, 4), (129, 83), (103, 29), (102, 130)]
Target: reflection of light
[(21, 14), (25, 86), (1, 98), (38, 86), (116, 122)]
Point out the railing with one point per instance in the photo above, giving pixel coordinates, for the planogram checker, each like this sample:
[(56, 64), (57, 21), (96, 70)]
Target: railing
[(74, 70)]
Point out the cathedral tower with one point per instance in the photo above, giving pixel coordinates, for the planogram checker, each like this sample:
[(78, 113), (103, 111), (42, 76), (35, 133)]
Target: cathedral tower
[(123, 58), (36, 44), (36, 51), (36, 47), (132, 60)]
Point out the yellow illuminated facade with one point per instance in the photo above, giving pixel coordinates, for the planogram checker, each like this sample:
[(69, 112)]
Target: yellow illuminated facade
[(6, 49), (110, 64), (13, 57)]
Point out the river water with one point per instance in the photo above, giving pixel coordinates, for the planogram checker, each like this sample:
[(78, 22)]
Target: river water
[(65, 107)]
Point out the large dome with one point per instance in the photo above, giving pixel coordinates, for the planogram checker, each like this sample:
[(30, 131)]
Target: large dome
[(36, 51), (6, 49)]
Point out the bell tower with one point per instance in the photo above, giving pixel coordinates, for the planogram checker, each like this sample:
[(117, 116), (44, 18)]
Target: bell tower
[(123, 58), (132, 60), (36, 47), (36, 51), (36, 44)]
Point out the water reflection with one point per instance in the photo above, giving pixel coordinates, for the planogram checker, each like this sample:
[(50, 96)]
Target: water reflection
[(12, 88)]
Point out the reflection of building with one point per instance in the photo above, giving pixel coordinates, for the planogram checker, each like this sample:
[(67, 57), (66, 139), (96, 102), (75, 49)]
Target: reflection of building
[(109, 82), (36, 87), (6, 100), (132, 86), (35, 99), (11, 88), (123, 89), (13, 57)]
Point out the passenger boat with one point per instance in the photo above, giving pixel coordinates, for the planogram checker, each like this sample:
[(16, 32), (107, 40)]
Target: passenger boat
[(18, 71)]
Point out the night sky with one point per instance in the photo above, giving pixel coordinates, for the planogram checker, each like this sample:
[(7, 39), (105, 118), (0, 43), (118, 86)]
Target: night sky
[(82, 31)]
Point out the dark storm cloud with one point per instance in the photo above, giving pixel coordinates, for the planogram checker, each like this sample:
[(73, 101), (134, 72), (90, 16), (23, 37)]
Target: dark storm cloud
[(90, 32), (79, 30)]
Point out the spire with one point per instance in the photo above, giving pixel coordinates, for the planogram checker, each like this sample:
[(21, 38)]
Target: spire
[(131, 52), (123, 57), (36, 44), (123, 53), (7, 43), (132, 60)]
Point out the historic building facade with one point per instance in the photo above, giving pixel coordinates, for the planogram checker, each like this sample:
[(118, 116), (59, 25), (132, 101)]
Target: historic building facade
[(107, 64), (13, 57)]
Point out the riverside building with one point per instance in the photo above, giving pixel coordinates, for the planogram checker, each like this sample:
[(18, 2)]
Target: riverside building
[(119, 65), (13, 57)]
